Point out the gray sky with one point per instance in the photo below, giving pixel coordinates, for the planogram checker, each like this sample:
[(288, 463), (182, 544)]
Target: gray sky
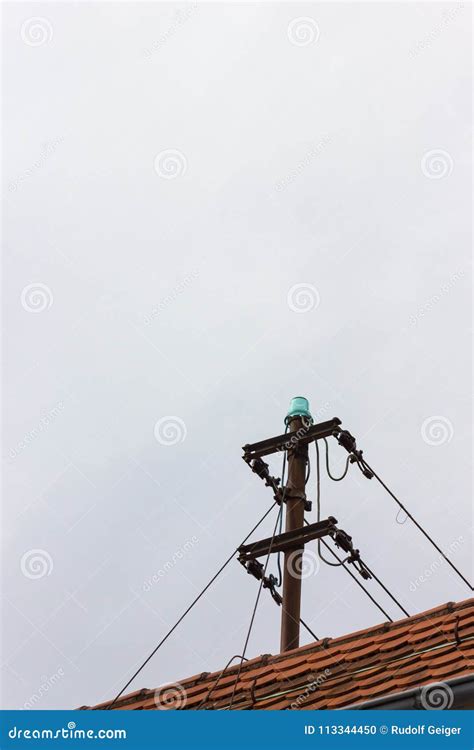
[(173, 173)]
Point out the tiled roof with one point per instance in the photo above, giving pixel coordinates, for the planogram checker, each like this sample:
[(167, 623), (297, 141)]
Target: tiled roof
[(433, 646)]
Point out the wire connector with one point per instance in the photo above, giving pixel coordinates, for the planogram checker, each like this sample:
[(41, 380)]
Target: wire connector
[(344, 542), (348, 442), (255, 569)]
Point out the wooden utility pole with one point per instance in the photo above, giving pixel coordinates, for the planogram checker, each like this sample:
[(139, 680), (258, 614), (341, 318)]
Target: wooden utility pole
[(300, 432), (297, 460)]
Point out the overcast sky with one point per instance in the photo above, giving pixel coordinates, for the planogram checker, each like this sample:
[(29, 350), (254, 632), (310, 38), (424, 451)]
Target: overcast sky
[(210, 209)]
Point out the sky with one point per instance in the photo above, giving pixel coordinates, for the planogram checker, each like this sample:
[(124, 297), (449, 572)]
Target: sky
[(209, 209)]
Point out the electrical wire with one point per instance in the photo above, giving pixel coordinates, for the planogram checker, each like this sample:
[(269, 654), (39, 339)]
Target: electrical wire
[(280, 528), (254, 612), (386, 590), (357, 580), (341, 562), (215, 684), (318, 507), (400, 504), (208, 585), (344, 565), (348, 461)]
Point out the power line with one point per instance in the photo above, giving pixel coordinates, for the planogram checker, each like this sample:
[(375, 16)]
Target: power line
[(165, 638), (425, 533), (335, 479), (254, 612), (341, 562), (283, 468), (318, 506), (386, 590), (357, 580), (219, 678)]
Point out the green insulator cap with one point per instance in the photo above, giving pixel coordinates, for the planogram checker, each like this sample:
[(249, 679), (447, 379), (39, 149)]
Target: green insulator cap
[(299, 407)]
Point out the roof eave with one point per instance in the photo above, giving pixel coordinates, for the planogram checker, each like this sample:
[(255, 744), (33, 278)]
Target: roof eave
[(462, 689)]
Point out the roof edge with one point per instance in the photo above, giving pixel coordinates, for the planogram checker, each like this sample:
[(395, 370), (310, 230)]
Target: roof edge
[(462, 689)]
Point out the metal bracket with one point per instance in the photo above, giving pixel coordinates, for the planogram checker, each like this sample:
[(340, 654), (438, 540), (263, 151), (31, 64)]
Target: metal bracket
[(290, 494), (280, 494), (288, 540), (290, 440)]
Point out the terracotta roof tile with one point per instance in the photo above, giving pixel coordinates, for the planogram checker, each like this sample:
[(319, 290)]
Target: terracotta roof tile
[(431, 646)]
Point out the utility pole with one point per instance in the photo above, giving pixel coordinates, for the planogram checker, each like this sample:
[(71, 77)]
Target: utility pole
[(298, 419), (294, 442)]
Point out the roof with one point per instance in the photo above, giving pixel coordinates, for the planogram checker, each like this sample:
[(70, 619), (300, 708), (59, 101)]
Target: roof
[(430, 647)]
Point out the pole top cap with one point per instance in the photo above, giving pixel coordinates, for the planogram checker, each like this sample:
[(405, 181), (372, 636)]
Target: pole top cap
[(299, 407)]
